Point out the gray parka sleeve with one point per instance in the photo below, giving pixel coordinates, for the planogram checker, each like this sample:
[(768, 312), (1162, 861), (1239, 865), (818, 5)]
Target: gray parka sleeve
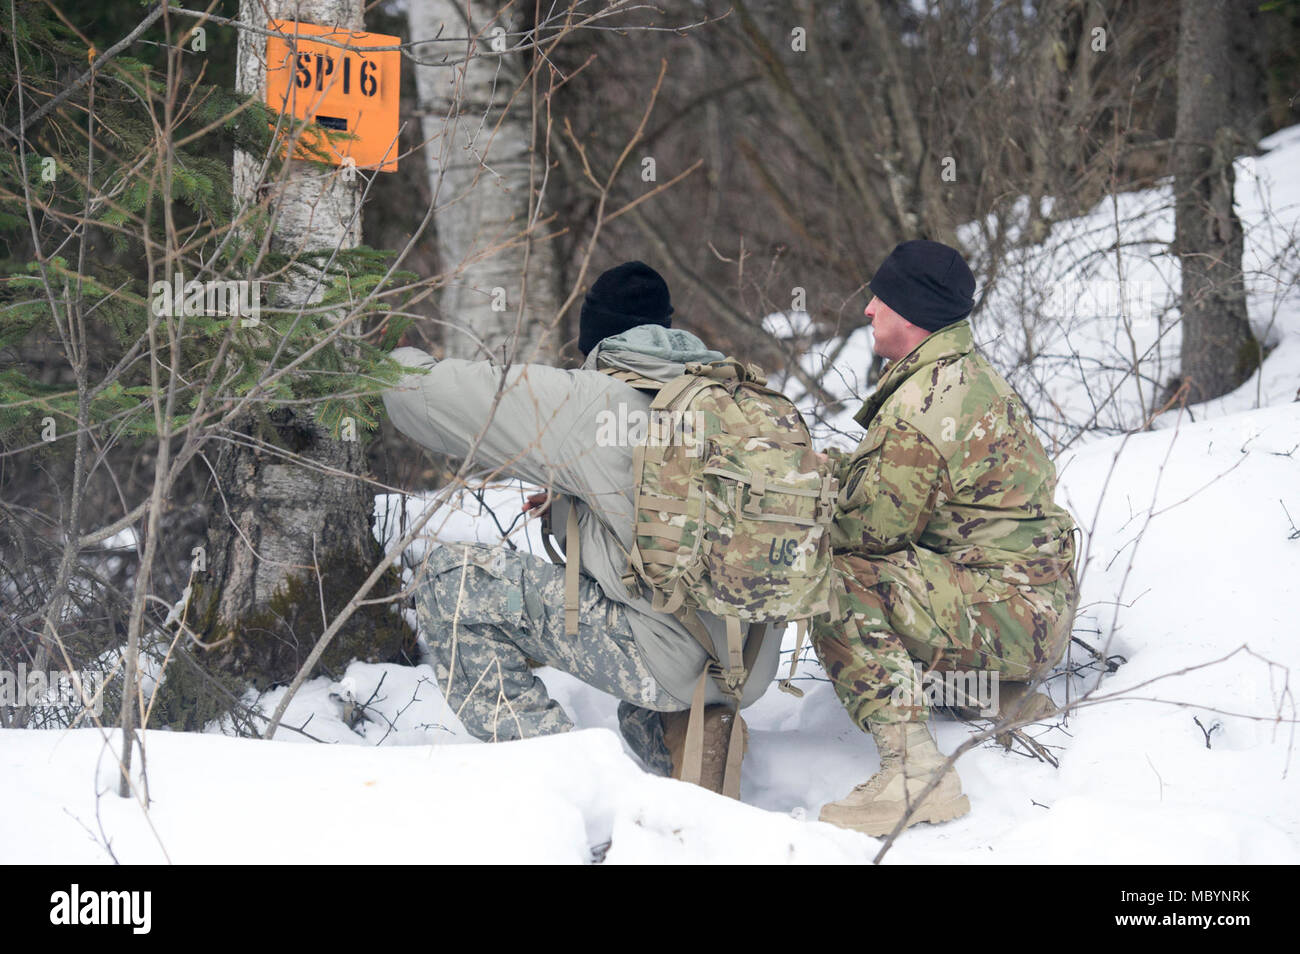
[(533, 422)]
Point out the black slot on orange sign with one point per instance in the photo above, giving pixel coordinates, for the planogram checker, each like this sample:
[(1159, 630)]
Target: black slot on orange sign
[(352, 90)]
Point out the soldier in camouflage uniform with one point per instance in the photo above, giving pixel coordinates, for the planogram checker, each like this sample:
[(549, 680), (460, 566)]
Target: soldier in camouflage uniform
[(487, 610), (950, 546)]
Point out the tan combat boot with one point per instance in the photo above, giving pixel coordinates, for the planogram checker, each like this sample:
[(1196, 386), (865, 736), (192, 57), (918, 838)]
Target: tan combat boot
[(1015, 700), (909, 759), (717, 732)]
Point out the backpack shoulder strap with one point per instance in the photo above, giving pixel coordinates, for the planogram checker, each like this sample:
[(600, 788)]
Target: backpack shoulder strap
[(547, 532), (638, 381), (569, 561), (571, 546), (680, 390), (693, 753)]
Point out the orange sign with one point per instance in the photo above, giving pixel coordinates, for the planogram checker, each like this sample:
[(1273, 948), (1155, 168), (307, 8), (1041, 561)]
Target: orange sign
[(351, 91)]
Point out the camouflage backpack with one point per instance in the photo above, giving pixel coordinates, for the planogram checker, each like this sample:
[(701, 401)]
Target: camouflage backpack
[(733, 510)]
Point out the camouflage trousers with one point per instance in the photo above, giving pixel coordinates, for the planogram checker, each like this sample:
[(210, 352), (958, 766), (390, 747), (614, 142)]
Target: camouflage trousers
[(897, 608), (486, 611)]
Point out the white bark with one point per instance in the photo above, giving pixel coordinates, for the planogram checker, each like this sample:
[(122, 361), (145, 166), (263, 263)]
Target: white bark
[(489, 181), (285, 537), (316, 209)]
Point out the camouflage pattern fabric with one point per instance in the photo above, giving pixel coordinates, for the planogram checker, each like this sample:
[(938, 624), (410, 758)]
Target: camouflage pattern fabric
[(643, 731), (888, 618), (950, 463), (487, 610), (734, 520), (949, 545)]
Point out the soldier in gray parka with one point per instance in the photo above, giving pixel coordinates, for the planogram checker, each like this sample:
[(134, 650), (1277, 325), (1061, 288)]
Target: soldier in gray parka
[(487, 610)]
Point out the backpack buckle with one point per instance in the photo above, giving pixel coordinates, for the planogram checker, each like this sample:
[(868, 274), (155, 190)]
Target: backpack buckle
[(729, 679), (725, 370), (754, 498), (826, 500)]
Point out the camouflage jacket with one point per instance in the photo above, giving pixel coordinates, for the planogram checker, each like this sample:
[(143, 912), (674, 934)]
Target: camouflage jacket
[(950, 464)]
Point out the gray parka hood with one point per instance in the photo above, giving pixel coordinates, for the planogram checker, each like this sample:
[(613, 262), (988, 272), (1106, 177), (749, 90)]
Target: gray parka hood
[(652, 350)]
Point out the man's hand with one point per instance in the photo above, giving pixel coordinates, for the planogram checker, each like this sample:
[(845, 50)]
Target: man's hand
[(538, 501)]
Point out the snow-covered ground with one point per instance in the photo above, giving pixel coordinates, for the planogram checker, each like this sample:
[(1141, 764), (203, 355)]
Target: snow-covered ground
[(1185, 753)]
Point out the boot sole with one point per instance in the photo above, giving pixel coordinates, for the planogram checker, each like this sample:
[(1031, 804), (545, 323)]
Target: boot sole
[(933, 814)]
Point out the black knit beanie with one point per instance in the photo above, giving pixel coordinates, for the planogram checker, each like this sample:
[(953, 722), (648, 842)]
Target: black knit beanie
[(625, 296), (928, 283)]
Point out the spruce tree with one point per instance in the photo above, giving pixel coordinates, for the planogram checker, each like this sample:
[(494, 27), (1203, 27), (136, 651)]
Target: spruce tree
[(114, 180)]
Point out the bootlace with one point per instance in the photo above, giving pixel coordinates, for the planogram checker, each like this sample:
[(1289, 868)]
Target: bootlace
[(877, 781)]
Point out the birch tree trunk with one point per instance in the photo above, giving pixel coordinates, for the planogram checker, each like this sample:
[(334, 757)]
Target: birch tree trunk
[(1218, 350), (913, 166), (487, 170), (288, 541)]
